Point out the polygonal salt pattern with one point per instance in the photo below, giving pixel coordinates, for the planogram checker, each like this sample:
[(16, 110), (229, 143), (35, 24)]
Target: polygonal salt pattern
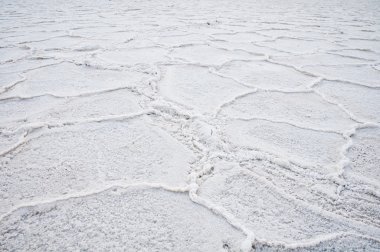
[(118, 219), (131, 56), (364, 154), (363, 102), (270, 215), (197, 88), (195, 54), (189, 125), (303, 146), (68, 79), (69, 159), (306, 110), (359, 74), (265, 75)]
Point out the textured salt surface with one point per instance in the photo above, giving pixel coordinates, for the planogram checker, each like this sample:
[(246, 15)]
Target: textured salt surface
[(190, 125)]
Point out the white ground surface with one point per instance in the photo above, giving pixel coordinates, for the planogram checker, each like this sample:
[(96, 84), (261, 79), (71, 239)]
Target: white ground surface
[(211, 125)]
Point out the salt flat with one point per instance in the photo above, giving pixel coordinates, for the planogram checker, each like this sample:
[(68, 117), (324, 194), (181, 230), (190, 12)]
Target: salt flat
[(212, 125)]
